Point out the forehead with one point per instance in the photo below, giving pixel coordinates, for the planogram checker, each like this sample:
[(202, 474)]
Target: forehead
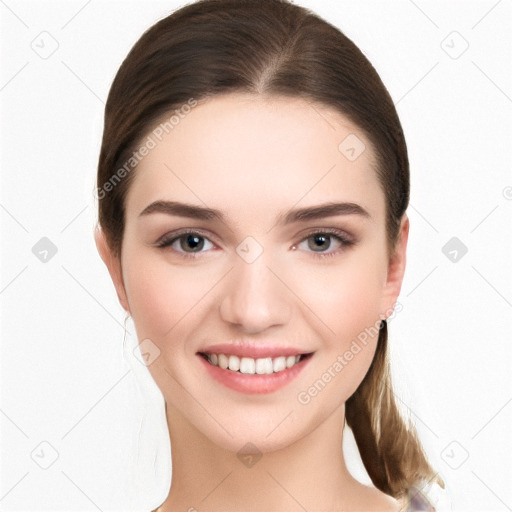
[(250, 152)]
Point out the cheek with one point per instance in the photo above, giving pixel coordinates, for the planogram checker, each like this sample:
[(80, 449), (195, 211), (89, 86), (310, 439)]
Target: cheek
[(161, 298), (345, 297)]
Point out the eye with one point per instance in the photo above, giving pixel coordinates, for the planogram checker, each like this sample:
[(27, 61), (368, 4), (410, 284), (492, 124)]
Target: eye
[(186, 243), (320, 242), (190, 243)]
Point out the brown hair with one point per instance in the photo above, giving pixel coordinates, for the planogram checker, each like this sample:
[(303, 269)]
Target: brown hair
[(275, 48)]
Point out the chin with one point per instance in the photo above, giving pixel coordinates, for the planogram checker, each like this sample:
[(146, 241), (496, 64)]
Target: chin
[(249, 438)]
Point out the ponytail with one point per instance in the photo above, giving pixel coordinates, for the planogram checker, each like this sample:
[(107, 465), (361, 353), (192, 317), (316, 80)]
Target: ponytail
[(389, 446)]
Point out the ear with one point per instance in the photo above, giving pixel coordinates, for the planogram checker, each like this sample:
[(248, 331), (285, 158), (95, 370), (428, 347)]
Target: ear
[(113, 265), (396, 270)]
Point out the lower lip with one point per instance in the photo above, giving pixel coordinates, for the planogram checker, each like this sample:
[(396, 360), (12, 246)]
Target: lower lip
[(254, 384)]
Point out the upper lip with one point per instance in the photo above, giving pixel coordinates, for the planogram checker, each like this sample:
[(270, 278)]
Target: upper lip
[(253, 350)]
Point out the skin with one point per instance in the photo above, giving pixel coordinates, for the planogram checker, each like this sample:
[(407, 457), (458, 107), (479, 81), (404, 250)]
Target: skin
[(254, 158)]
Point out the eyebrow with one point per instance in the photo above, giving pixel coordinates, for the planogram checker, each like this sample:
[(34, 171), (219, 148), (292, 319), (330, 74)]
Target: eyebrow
[(296, 215)]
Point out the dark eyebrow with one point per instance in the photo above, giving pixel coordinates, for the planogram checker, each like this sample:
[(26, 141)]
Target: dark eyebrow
[(321, 211), (297, 215), (182, 210)]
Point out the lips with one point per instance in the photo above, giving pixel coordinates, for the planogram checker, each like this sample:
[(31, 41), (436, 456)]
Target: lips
[(253, 368)]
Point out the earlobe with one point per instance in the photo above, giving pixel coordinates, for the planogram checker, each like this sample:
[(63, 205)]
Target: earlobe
[(396, 269), (113, 265)]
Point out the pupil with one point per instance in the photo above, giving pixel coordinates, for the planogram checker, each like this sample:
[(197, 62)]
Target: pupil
[(322, 239), (194, 241)]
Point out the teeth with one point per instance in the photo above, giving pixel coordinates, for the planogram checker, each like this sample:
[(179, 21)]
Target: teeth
[(264, 366), (234, 363), (248, 365), (223, 361), (279, 364)]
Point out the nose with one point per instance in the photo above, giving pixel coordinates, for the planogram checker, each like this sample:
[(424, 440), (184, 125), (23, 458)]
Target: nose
[(255, 298)]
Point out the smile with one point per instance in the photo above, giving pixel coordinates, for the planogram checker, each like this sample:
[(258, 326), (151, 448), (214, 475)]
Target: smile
[(253, 375), (250, 366)]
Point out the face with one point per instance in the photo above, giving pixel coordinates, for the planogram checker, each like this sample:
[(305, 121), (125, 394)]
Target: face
[(277, 264)]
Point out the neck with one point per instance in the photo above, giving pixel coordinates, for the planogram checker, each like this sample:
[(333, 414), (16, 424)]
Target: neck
[(309, 474)]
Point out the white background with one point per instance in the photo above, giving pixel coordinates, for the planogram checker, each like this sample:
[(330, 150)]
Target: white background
[(66, 380)]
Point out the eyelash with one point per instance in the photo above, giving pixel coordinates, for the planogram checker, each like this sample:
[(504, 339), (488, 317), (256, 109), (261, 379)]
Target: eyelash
[(168, 240)]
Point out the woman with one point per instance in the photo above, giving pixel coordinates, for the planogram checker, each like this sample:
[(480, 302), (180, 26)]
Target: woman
[(253, 183)]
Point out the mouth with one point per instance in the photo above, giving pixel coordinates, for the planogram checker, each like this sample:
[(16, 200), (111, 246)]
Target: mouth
[(252, 366), (253, 375)]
